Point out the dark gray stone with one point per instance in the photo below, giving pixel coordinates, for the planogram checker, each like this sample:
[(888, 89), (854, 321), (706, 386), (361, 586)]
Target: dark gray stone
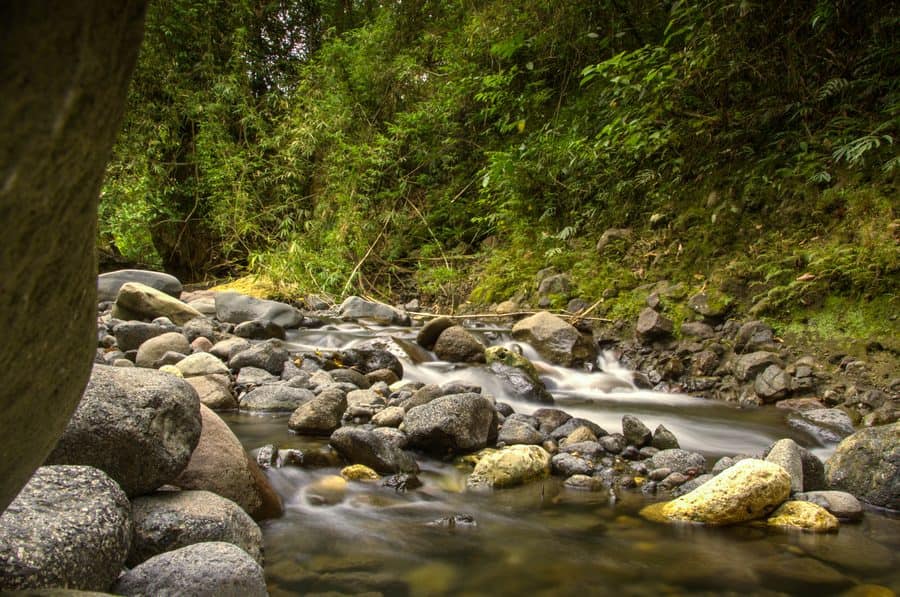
[(213, 569), (432, 330), (227, 348), (566, 465), (350, 376), (233, 307), (139, 426), (574, 423), (840, 503), (773, 383), (450, 424), (697, 329), (108, 284), (69, 527), (636, 433), (517, 431), (867, 464), (613, 443), (556, 340), (131, 334), (663, 439), (64, 72), (550, 418), (748, 366), (355, 307), (170, 520), (203, 327), (269, 355), (590, 450), (321, 415), (259, 329), (754, 336), (377, 451), (652, 325), (367, 360)]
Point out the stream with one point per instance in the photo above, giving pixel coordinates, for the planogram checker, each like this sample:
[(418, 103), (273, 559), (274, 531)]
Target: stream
[(543, 538)]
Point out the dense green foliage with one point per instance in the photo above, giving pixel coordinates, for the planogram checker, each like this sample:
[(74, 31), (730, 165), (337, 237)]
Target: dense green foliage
[(461, 146)]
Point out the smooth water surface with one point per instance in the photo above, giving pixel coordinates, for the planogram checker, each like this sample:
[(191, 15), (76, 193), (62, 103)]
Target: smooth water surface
[(544, 539)]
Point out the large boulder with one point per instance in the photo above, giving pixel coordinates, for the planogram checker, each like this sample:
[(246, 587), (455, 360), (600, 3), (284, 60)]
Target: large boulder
[(748, 490), (64, 92), (137, 425), (213, 569), (867, 464), (355, 307), (233, 307), (69, 527), (219, 464), (138, 301), (373, 449), (108, 284), (170, 520), (554, 339), (450, 424), (457, 345), (511, 466)]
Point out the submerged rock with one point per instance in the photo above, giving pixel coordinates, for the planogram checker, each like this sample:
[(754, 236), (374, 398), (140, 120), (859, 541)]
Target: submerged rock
[(748, 490), (511, 466), (517, 372)]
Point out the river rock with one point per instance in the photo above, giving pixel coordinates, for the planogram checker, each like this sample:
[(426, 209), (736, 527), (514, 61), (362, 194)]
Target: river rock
[(320, 415), (131, 334), (138, 301), (359, 472), (578, 435), (566, 465), (840, 503), (805, 516), (355, 307), (269, 355), (678, 460), (252, 377), (392, 416), (207, 569), (801, 575), (550, 418), (663, 439), (169, 520), (636, 433), (137, 425), (202, 327), (450, 424), (350, 376), (108, 284), (786, 454), (259, 329), (748, 490), (754, 336), (377, 451), (457, 345), (432, 330), (329, 490), (233, 307), (574, 423), (227, 348), (748, 366), (152, 352), (518, 373), (554, 339), (201, 363), (214, 391), (517, 431), (220, 464), (367, 360), (867, 464), (275, 398), (70, 526), (772, 384), (510, 466), (697, 329), (652, 325)]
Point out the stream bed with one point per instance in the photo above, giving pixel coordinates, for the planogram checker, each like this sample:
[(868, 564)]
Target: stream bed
[(543, 538)]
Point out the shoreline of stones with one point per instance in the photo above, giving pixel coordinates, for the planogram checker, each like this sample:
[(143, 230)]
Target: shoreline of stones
[(163, 487)]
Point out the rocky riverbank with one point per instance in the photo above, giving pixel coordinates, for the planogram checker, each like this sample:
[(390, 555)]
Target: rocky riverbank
[(165, 490)]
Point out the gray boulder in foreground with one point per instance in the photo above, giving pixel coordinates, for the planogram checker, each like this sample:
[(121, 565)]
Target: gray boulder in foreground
[(450, 424), (867, 465), (213, 569), (140, 426), (170, 520), (70, 526)]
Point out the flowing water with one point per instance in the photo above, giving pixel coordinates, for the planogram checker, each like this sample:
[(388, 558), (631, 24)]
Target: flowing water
[(544, 539)]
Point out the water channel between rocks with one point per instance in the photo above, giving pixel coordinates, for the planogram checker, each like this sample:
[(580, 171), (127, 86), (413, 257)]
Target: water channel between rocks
[(544, 539)]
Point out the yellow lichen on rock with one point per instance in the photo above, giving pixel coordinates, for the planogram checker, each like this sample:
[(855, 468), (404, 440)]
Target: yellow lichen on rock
[(259, 287), (359, 472), (748, 490), (805, 516), (511, 466)]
